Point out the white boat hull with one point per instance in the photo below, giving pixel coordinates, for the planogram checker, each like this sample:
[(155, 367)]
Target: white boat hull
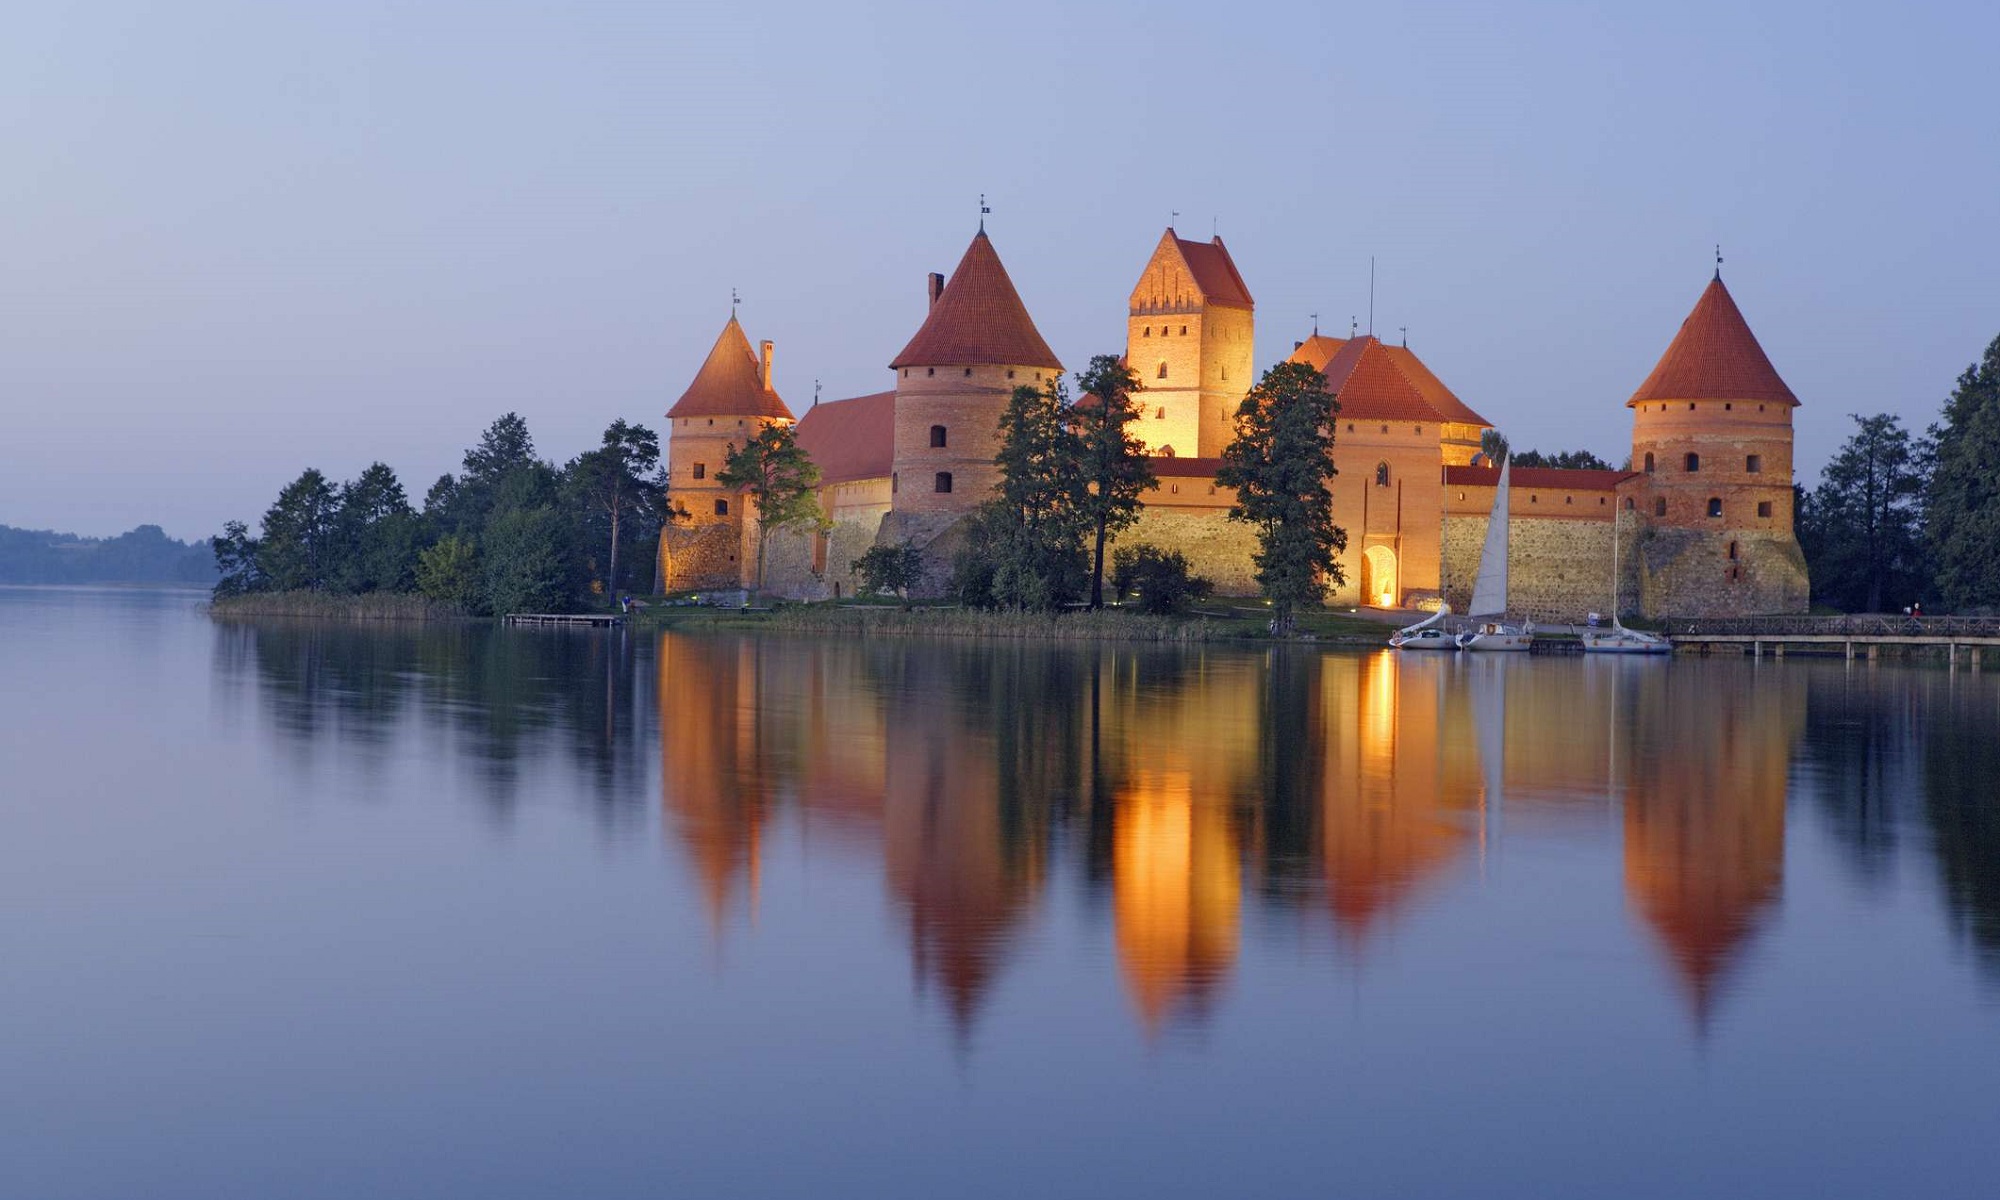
[(1489, 642), (1619, 645), (1429, 639)]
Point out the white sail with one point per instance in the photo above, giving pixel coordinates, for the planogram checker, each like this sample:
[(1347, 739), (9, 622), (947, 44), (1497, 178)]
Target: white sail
[(1489, 589)]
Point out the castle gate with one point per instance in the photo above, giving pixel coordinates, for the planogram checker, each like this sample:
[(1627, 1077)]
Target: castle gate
[(1378, 577)]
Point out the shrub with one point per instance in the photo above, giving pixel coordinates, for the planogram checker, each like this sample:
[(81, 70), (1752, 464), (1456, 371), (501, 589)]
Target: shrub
[(890, 568), (1160, 579)]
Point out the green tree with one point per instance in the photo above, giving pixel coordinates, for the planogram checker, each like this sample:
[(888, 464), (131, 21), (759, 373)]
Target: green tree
[(527, 562), (448, 572), (236, 557), (300, 548), (496, 472), (1162, 580), (1962, 511), (1115, 460), (1568, 460), (377, 532), (1027, 543), (1493, 445), (890, 568), (1862, 527), (780, 477), (1279, 464), (619, 483)]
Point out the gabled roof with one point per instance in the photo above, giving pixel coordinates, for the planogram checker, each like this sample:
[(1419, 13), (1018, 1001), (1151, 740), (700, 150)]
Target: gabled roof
[(979, 321), (1551, 478), (1205, 268), (730, 383), (851, 439), (1714, 357), (1380, 396)]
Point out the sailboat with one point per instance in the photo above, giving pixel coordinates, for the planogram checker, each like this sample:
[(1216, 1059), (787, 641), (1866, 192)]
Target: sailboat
[(1430, 633), (1618, 639), (1489, 590)]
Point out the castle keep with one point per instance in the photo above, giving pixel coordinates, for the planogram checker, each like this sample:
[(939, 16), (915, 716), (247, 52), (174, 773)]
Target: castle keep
[(1700, 523)]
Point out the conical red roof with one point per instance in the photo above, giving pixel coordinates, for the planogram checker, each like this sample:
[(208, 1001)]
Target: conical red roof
[(979, 321), (1714, 357), (730, 383)]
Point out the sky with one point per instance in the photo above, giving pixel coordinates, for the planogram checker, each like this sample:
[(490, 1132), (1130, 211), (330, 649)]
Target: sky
[(240, 239)]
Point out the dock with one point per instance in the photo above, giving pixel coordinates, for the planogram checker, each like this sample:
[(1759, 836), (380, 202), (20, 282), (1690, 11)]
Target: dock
[(568, 620), (1962, 639)]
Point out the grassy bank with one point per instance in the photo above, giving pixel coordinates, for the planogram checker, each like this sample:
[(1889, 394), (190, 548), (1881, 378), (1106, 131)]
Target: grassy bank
[(370, 606), (920, 621)]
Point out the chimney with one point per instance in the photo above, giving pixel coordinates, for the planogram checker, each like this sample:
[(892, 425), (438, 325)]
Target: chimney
[(764, 354), (935, 286), (1296, 345)]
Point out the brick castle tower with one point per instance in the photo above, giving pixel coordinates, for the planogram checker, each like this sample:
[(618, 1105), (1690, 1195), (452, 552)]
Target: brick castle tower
[(1188, 338), (1712, 440), (730, 400), (976, 345)]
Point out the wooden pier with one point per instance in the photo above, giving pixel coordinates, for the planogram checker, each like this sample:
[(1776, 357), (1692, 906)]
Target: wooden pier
[(1962, 639), (569, 620)]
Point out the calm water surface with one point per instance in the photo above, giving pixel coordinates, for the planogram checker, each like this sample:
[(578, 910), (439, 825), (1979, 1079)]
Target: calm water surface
[(318, 911)]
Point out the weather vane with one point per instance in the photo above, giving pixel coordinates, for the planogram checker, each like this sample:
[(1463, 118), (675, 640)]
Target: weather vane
[(1353, 327), (1405, 330), (1718, 260), (815, 393), (1173, 218), (734, 300), (1315, 317), (984, 212)]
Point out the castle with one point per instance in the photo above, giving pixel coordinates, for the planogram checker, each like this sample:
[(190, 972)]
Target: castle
[(1699, 524)]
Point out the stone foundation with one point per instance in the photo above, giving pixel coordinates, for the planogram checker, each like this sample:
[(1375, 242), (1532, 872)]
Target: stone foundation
[(1685, 572)]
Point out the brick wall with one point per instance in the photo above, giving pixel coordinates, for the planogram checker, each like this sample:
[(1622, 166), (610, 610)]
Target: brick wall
[(1558, 569)]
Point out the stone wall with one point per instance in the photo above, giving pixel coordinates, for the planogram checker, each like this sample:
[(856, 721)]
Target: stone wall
[(805, 564), (1720, 573), (1216, 547), (1559, 570), (705, 555)]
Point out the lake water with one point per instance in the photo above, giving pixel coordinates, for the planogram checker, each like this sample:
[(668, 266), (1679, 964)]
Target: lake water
[(336, 911)]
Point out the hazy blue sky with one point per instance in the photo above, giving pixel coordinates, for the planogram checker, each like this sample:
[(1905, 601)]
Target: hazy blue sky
[(240, 239)]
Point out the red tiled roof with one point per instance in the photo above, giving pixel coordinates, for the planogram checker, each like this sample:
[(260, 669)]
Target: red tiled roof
[(1714, 357), (1435, 392), (1553, 478), (851, 439), (1215, 273), (1318, 350), (730, 383), (1175, 467), (979, 321)]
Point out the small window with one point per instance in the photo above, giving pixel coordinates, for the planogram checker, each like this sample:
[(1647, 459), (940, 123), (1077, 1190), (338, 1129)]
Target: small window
[(1690, 406), (1010, 372), (937, 437), (1175, 489), (1649, 463), (1693, 462), (1600, 501), (895, 478), (1569, 499), (1382, 474), (1629, 506), (1385, 429), (943, 484), (1534, 499), (1183, 331), (1732, 552), (1728, 408), (1760, 408), (1660, 507), (1461, 495), (1764, 508), (1163, 369), (722, 508), (1714, 506), (1166, 452), (1420, 431), (1148, 332), (1160, 415), (1754, 464), (968, 372), (1350, 427), (930, 372), (711, 420), (701, 470)]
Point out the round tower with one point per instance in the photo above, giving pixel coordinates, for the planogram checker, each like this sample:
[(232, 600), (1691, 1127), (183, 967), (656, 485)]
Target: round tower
[(1712, 442), (730, 400), (977, 344)]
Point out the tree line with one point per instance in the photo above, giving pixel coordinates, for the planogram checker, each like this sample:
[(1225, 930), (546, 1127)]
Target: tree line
[(143, 555), (1900, 518), (511, 532)]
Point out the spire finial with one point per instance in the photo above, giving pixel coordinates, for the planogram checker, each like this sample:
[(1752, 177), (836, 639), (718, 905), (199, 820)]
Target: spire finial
[(815, 393), (1718, 260), (1353, 327), (734, 300), (984, 212), (1315, 317), (1405, 331), (1173, 218)]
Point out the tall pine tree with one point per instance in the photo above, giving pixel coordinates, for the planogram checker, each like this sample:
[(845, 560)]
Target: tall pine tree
[(1279, 464), (1114, 459), (1963, 510)]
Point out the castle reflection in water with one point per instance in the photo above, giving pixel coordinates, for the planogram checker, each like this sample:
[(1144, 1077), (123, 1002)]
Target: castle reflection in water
[(1188, 794), (1348, 784)]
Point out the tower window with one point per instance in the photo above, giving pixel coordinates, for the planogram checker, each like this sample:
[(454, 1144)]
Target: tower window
[(1628, 504), (929, 372), (1160, 415), (943, 484), (1754, 464), (722, 508), (1382, 474), (701, 470), (1660, 507), (1728, 408), (1694, 462), (1168, 452), (1714, 506), (1163, 369), (1183, 331), (1732, 552), (1764, 508), (1148, 332), (937, 437), (1420, 431), (1010, 372), (895, 479), (1690, 406), (968, 372), (1649, 462)]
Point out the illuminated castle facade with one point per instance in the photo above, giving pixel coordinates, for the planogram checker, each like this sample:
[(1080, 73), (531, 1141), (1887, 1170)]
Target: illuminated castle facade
[(1700, 523)]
